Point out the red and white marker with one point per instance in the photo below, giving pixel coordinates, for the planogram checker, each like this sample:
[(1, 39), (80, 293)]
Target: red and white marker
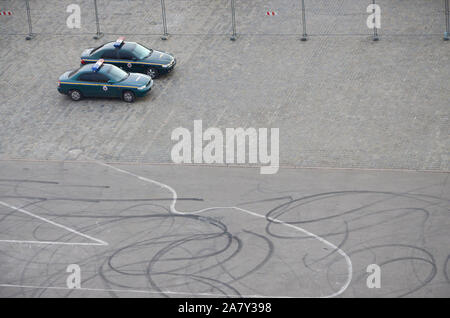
[(271, 13), (5, 13)]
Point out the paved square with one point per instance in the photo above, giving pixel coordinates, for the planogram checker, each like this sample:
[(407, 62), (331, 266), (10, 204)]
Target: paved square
[(92, 182)]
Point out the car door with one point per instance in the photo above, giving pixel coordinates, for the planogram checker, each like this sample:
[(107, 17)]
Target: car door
[(87, 85), (110, 89), (127, 61), (95, 85), (111, 57), (104, 88)]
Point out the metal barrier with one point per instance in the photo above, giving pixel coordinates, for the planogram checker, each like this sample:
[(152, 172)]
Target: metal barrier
[(97, 22), (30, 28), (375, 29), (447, 20), (164, 20), (233, 20), (306, 18), (304, 35)]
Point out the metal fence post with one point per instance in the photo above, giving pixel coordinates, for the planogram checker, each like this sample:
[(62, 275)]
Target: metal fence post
[(375, 30), (447, 22), (304, 35), (97, 22), (233, 20), (164, 20), (30, 28)]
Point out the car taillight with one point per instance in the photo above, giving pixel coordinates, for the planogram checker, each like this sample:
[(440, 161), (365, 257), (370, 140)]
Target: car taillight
[(83, 62)]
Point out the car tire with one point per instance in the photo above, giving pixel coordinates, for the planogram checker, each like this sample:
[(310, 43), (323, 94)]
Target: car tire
[(128, 96), (75, 95), (152, 72)]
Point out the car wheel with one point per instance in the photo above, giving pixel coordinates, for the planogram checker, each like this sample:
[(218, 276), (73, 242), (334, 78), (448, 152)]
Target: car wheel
[(75, 95), (152, 72), (128, 96)]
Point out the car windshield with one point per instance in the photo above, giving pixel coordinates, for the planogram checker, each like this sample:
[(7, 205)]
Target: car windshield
[(115, 74), (141, 52)]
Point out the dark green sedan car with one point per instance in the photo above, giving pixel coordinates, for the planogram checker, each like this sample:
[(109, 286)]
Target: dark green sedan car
[(104, 80), (131, 57)]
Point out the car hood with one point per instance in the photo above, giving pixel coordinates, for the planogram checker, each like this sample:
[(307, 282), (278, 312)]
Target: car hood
[(159, 57), (136, 79)]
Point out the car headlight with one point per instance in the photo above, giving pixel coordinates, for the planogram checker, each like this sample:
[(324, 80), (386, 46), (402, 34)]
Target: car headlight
[(168, 65), (141, 87)]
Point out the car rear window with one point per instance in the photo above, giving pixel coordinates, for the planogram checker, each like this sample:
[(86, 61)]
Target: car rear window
[(96, 49), (74, 72)]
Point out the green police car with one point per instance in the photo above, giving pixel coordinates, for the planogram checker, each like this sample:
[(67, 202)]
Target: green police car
[(104, 80), (131, 57)]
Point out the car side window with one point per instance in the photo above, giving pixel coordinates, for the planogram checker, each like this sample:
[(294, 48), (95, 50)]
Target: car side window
[(125, 55), (100, 78), (109, 54), (86, 77)]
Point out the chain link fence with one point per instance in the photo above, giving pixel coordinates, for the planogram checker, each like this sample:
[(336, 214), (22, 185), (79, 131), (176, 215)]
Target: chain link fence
[(225, 17)]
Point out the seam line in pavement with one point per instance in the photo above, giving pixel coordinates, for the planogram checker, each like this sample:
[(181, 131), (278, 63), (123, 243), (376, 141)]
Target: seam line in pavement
[(227, 165)]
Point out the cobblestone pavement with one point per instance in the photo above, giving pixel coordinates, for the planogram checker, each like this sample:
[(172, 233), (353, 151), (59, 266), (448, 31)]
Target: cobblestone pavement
[(339, 101)]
